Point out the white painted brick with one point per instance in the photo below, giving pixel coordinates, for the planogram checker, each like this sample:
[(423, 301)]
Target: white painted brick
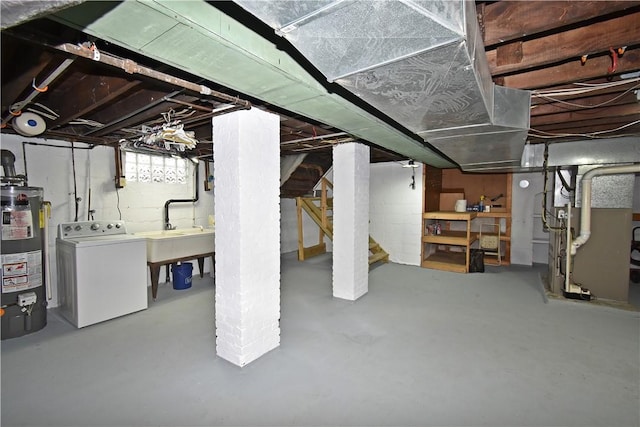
[(247, 177), (351, 220)]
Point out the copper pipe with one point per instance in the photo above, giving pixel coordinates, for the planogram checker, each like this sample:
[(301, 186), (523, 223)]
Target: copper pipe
[(132, 67)]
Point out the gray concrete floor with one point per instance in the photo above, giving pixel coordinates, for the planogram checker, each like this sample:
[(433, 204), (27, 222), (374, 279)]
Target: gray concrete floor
[(423, 347)]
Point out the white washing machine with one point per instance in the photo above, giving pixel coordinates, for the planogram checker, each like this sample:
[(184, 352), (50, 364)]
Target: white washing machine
[(101, 271)]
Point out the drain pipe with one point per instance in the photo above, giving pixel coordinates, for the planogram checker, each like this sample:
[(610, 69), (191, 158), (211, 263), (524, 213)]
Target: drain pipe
[(167, 223), (585, 214)]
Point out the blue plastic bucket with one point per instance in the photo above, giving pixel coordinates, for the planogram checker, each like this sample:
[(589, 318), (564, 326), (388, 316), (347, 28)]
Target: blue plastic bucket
[(182, 275)]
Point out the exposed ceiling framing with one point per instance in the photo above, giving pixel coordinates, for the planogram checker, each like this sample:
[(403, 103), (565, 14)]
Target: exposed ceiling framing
[(580, 59)]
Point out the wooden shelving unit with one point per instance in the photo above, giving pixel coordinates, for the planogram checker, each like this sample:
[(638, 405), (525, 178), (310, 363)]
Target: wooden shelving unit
[(448, 250), (473, 185), (505, 236)]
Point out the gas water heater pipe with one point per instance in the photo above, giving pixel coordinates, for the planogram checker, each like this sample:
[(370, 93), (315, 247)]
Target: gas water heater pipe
[(585, 214)]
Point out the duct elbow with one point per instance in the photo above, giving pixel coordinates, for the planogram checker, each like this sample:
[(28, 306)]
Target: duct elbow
[(579, 241)]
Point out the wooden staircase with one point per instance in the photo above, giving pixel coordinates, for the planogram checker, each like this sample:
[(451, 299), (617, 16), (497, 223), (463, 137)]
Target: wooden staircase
[(320, 209)]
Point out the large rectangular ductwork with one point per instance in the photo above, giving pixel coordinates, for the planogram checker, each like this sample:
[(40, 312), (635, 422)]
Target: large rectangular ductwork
[(421, 63)]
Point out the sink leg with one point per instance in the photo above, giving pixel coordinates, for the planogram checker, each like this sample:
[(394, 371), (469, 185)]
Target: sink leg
[(201, 266), (213, 265), (155, 277)]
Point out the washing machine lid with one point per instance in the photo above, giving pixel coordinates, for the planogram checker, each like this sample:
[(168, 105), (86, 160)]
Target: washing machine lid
[(104, 240)]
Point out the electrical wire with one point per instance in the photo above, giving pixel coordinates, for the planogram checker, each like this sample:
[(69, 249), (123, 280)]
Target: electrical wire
[(118, 204), (75, 185), (86, 122), (545, 168), (549, 135), (585, 88), (587, 106)]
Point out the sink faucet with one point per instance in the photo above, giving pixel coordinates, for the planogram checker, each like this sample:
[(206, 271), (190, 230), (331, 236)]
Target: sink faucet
[(198, 226), (168, 226)]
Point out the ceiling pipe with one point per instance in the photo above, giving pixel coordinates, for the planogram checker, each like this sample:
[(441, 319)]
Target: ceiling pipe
[(132, 67), (167, 223), (104, 129), (585, 214)]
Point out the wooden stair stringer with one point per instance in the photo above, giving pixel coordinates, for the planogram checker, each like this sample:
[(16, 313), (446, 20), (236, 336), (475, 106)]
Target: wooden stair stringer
[(315, 213)]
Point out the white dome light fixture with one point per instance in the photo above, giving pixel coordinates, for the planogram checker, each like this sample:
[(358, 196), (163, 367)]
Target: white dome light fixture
[(29, 124)]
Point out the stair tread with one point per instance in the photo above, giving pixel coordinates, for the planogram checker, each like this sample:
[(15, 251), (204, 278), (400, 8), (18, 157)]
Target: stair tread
[(315, 212)]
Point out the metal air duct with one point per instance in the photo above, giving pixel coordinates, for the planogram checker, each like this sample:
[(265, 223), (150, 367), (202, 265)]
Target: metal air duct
[(422, 63)]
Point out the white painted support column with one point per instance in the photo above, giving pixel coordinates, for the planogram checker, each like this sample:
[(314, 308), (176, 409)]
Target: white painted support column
[(247, 238), (350, 220)]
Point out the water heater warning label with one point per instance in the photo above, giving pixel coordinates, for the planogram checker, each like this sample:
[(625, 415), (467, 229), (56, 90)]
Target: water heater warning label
[(21, 271), (17, 225)]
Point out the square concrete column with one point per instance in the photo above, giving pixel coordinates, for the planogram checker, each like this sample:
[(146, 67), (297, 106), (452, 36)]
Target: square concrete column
[(350, 220), (247, 238)]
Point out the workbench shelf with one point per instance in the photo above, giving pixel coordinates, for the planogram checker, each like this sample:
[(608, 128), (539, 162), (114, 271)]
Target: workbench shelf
[(503, 220), (446, 239), (443, 187)]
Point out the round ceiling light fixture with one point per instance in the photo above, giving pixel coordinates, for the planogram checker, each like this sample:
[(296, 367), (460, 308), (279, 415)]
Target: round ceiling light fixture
[(29, 124)]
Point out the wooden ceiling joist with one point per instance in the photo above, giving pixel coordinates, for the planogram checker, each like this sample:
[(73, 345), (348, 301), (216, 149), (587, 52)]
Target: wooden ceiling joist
[(614, 111), (582, 104), (508, 20), (572, 71), (591, 40)]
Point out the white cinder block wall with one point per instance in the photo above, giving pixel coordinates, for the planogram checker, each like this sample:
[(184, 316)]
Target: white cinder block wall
[(140, 205), (395, 211), (523, 210)]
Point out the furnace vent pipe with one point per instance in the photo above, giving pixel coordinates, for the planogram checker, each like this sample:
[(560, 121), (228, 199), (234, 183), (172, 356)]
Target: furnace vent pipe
[(585, 214)]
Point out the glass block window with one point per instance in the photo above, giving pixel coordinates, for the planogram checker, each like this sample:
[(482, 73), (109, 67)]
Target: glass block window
[(157, 169)]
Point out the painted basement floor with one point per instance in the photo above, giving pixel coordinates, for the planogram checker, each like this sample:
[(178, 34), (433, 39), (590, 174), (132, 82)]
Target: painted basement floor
[(423, 347)]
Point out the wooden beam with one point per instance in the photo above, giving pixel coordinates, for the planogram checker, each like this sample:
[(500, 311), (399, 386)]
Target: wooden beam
[(590, 126), (605, 90), (615, 111), (149, 103), (97, 92), (581, 104), (588, 40), (573, 71), (612, 122), (509, 20)]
